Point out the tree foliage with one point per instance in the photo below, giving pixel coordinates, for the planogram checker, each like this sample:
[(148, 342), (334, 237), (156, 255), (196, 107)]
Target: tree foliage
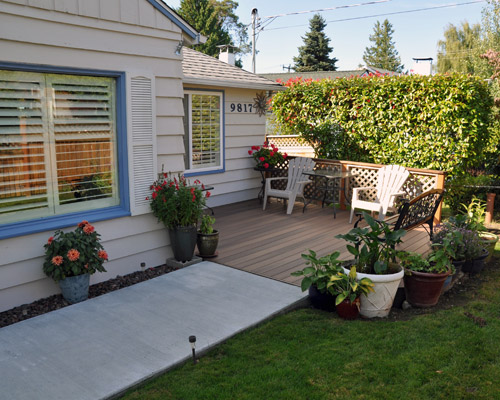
[(217, 21), (314, 54), (383, 53), (456, 52), (438, 122)]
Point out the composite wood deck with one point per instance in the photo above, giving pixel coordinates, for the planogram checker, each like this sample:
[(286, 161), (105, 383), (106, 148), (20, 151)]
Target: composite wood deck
[(270, 243)]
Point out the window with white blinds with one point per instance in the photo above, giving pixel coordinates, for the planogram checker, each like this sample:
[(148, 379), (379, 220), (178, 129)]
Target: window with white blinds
[(57, 144), (204, 127)]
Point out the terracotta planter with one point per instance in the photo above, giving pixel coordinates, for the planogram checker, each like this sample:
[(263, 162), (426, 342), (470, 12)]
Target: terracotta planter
[(323, 301), (476, 265), (348, 310), (183, 242), (423, 289)]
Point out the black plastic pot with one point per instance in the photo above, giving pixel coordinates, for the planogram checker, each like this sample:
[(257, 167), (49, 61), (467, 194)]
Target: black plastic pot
[(183, 242), (476, 265), (323, 301)]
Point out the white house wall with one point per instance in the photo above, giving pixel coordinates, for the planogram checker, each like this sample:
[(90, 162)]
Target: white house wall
[(129, 36), (239, 182)]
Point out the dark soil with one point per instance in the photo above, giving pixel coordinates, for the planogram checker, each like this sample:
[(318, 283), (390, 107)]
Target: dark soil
[(56, 301)]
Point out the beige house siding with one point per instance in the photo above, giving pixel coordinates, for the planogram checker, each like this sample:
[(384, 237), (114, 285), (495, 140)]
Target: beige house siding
[(126, 35), (239, 182)]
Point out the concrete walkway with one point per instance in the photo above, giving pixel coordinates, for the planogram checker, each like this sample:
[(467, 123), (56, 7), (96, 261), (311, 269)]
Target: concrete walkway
[(98, 348)]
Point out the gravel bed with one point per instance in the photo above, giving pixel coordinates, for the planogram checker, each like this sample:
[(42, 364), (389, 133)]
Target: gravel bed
[(56, 301)]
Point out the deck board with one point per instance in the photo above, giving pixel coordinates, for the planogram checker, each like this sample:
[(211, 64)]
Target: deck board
[(270, 242)]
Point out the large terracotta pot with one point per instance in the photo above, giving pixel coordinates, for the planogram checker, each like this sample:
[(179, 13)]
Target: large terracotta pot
[(423, 289), (379, 302), (183, 242)]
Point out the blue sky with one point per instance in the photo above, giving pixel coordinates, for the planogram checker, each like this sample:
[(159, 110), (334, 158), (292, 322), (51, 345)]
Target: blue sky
[(415, 33)]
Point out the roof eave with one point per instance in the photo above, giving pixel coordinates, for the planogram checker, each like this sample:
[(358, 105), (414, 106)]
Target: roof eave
[(194, 36), (232, 84)]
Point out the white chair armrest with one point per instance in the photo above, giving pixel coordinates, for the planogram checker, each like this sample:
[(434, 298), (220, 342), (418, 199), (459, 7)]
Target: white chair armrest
[(269, 180), (355, 191)]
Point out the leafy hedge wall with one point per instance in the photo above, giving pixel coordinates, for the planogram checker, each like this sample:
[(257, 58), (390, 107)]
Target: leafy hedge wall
[(439, 122)]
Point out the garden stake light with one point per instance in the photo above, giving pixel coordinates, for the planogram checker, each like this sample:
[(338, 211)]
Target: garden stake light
[(192, 340)]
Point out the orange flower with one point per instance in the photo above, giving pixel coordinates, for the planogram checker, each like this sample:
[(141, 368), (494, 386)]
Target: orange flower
[(57, 260), (102, 254), (83, 223), (73, 255), (88, 229)]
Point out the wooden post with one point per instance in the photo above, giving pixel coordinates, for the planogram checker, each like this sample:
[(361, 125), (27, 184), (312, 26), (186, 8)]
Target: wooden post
[(490, 204), (439, 185), (342, 198)]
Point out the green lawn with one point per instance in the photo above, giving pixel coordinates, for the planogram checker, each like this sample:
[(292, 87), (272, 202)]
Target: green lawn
[(310, 354)]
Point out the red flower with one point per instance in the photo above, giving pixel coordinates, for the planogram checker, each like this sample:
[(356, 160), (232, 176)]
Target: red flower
[(262, 159), (202, 186), (49, 242), (285, 155), (154, 195), (102, 255), (207, 195), (73, 255), (194, 198), (88, 229), (192, 190), (147, 198), (271, 153), (266, 165), (250, 152)]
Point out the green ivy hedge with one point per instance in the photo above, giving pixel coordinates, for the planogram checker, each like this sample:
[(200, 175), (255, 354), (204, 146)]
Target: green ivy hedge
[(436, 122)]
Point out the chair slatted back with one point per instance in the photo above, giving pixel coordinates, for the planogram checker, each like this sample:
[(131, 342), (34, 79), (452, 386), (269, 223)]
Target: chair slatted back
[(391, 179), (295, 169)]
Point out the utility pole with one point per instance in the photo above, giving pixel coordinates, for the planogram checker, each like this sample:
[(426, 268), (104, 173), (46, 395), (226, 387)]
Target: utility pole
[(287, 68), (254, 22)]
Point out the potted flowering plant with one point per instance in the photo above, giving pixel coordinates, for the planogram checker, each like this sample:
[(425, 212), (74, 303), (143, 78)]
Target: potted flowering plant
[(70, 259), (267, 156), (179, 205)]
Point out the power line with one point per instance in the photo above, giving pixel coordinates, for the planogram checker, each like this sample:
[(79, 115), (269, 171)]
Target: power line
[(385, 14)]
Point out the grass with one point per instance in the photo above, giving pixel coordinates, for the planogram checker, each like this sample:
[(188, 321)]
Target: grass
[(310, 354)]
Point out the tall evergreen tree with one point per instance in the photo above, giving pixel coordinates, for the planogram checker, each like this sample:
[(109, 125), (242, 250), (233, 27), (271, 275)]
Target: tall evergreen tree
[(456, 51), (202, 16), (383, 53), (314, 55)]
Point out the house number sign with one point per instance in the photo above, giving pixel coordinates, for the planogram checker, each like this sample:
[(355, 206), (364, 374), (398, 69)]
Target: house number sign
[(241, 108)]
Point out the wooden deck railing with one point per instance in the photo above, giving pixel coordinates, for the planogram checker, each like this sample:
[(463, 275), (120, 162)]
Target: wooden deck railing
[(365, 175)]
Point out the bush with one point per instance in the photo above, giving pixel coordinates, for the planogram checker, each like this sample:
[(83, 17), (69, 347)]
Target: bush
[(437, 122), (461, 190)]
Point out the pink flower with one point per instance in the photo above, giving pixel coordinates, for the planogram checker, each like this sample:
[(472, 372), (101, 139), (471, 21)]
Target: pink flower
[(49, 242), (73, 255), (88, 229), (86, 266), (57, 260), (266, 165), (102, 255)]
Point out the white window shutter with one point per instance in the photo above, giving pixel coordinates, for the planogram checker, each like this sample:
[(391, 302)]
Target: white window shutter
[(143, 150)]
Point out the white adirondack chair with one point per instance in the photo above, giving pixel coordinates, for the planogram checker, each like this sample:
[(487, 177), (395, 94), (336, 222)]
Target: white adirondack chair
[(391, 179), (295, 185)]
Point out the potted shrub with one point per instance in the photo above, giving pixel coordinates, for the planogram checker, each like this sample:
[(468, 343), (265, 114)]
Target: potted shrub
[(266, 156), (425, 276), (373, 248), (207, 238), (70, 259), (316, 276), (179, 205), (348, 291)]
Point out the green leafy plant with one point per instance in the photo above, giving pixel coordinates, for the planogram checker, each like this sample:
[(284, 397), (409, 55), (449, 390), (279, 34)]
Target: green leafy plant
[(74, 253), (438, 261), (175, 202), (346, 286), (373, 247), (474, 213), (206, 225), (266, 156), (319, 270)]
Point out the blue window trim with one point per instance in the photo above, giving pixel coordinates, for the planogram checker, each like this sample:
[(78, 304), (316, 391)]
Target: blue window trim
[(222, 168), (65, 220)]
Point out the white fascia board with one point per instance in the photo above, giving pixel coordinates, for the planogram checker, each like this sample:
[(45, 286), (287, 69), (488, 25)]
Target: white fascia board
[(232, 84)]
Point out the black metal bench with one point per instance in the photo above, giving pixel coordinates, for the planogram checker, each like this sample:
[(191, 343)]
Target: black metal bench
[(415, 212)]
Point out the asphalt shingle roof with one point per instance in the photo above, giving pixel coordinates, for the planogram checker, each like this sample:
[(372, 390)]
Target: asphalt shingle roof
[(199, 68)]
